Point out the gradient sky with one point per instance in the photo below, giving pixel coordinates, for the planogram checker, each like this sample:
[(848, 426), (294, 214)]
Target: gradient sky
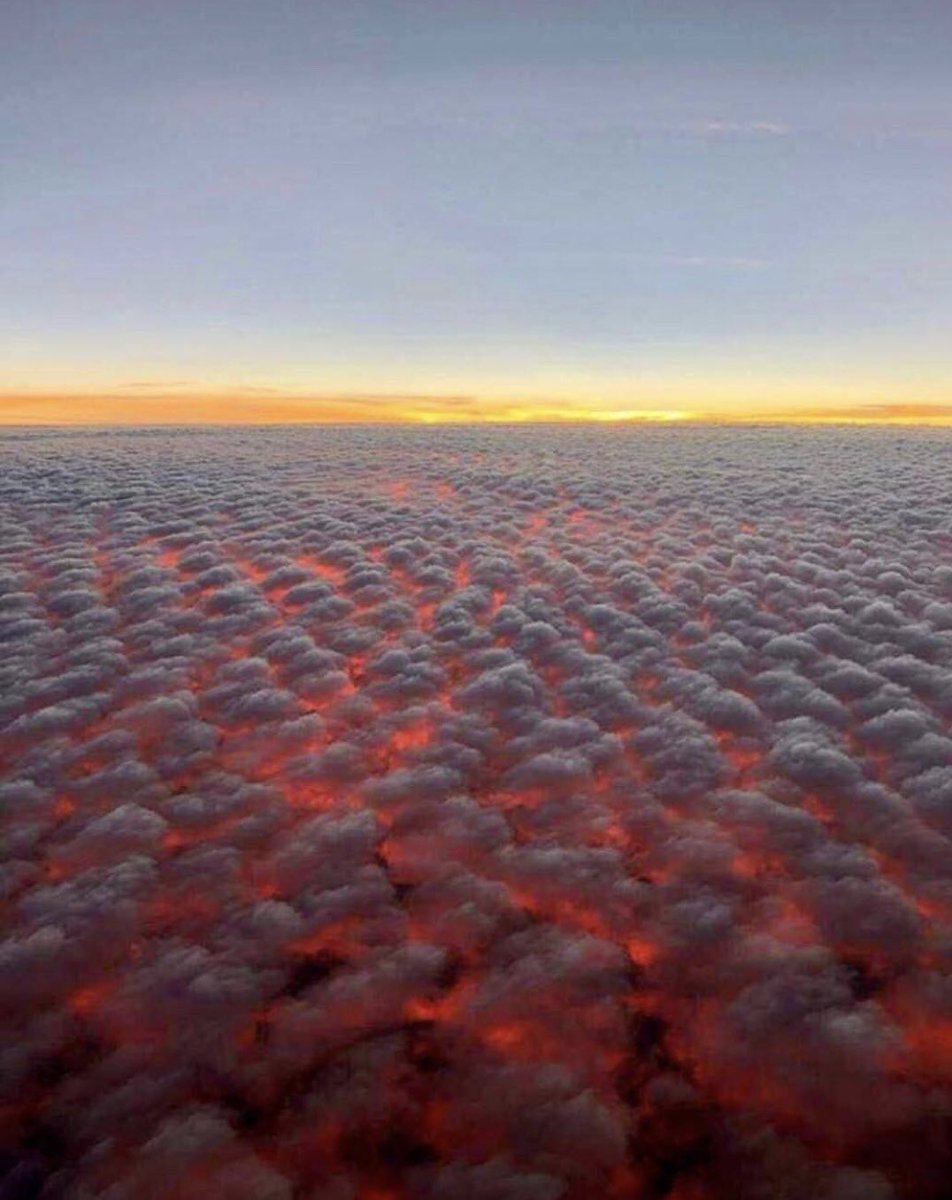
[(277, 209)]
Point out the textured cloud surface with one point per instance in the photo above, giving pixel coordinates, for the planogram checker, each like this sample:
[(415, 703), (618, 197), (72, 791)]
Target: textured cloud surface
[(476, 815)]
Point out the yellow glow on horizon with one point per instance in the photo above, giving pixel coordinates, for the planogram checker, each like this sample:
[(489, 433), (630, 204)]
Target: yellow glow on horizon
[(542, 413), (167, 404), (641, 414)]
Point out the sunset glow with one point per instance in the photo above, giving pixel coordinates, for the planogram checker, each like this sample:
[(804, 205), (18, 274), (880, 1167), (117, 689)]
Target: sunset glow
[(475, 600), (262, 406)]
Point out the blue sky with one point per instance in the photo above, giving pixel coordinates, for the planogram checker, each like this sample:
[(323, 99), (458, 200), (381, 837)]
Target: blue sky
[(642, 201)]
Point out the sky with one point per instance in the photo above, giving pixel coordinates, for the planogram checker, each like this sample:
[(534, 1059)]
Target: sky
[(282, 210)]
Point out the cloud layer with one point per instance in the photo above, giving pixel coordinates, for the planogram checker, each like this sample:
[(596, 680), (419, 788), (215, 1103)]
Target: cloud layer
[(476, 814)]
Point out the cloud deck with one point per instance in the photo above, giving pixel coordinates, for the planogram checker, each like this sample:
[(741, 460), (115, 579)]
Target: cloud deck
[(476, 814)]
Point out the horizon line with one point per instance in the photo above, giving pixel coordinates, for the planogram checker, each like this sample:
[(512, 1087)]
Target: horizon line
[(272, 407), (786, 421)]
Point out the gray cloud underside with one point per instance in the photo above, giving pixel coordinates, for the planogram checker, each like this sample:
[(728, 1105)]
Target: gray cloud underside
[(488, 814)]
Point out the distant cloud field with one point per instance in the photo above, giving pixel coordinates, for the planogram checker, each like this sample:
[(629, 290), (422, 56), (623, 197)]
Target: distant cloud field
[(476, 813)]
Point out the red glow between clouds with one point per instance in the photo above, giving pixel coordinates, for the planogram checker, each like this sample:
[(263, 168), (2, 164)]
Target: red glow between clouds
[(373, 839)]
